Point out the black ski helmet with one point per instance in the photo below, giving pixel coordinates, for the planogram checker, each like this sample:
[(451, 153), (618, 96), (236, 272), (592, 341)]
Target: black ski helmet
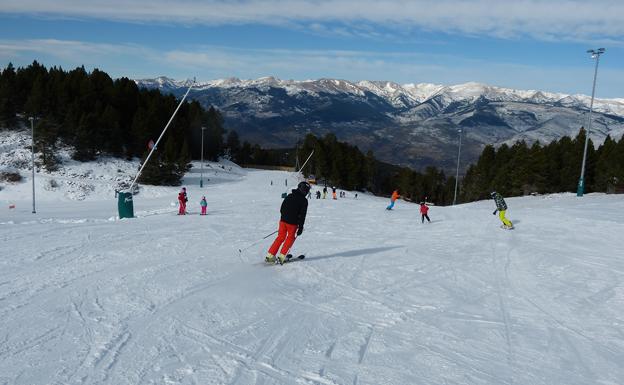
[(304, 187)]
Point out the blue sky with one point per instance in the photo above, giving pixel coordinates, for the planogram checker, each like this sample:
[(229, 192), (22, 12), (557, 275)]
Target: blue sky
[(525, 44)]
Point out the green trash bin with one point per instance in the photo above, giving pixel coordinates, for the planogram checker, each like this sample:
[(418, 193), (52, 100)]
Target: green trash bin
[(124, 205)]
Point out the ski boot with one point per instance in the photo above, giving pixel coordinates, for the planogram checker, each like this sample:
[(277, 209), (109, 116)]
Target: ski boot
[(270, 258), (281, 258)]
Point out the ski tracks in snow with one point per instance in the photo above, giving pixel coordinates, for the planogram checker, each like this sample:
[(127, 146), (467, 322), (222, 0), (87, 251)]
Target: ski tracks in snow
[(502, 287)]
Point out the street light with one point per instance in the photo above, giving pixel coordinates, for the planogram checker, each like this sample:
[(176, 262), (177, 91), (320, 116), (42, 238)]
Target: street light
[(32, 130), (457, 173), (201, 179), (595, 54)]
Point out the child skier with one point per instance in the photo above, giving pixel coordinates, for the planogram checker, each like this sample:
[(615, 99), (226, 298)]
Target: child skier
[(501, 207), (293, 212), (318, 194), (334, 193), (324, 192), (182, 199), (393, 198), (203, 205), (424, 209)]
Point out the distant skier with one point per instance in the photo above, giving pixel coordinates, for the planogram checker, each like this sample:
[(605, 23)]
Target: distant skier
[(318, 194), (393, 198), (355, 196), (334, 192), (182, 199), (293, 213), (501, 207), (424, 209), (203, 205), (324, 192)]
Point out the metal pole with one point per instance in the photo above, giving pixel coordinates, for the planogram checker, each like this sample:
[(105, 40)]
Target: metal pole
[(201, 179), (256, 242), (581, 184), (32, 129), (457, 173), (306, 162)]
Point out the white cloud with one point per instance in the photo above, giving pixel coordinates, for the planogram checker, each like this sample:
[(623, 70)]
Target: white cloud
[(559, 19), (212, 62), (66, 49)]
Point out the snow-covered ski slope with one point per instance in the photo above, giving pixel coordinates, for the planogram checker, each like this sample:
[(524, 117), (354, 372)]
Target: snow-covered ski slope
[(379, 299)]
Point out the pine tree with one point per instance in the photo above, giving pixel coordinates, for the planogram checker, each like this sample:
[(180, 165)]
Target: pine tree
[(7, 104), (233, 145), (213, 121), (85, 145), (46, 134), (184, 159), (110, 134)]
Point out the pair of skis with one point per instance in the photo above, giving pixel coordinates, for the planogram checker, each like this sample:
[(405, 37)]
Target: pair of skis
[(289, 258)]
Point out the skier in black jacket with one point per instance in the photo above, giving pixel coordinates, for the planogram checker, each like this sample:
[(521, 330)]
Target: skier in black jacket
[(293, 214)]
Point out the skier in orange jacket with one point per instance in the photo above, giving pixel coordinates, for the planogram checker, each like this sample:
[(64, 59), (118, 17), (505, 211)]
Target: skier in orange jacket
[(393, 198)]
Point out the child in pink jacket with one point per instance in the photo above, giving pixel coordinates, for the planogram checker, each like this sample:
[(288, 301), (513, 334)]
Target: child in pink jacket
[(203, 205)]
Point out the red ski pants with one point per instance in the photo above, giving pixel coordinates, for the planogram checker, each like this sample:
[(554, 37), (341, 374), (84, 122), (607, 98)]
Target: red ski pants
[(182, 210), (286, 235)]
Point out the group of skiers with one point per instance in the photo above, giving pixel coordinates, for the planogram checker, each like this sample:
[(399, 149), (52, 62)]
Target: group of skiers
[(501, 208), (341, 194), (183, 198), (424, 209), (295, 206)]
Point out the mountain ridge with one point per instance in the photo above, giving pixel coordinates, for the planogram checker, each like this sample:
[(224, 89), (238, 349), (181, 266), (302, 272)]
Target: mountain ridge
[(414, 124), (420, 91)]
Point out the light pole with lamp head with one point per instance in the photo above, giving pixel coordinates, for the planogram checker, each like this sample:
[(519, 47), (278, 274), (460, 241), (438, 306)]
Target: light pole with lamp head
[(32, 130), (595, 54), (201, 179), (457, 173)]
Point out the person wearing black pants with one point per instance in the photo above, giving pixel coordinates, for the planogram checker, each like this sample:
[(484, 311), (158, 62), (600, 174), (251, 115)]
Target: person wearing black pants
[(424, 209)]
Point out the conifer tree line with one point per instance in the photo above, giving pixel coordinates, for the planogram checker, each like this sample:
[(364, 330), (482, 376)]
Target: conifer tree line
[(521, 169), (101, 116), (342, 165)]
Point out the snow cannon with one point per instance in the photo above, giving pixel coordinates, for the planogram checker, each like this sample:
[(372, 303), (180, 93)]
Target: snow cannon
[(125, 205)]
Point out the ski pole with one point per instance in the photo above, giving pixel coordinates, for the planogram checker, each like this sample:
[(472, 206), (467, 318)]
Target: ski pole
[(256, 242)]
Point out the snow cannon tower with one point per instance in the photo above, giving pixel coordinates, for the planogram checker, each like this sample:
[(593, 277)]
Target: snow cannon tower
[(125, 204)]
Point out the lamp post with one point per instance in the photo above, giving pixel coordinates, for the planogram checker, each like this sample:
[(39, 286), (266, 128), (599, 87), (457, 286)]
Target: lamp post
[(32, 130), (595, 54), (457, 173), (201, 179)]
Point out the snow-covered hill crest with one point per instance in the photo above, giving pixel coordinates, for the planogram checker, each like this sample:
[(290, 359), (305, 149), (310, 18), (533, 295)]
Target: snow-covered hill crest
[(84, 181)]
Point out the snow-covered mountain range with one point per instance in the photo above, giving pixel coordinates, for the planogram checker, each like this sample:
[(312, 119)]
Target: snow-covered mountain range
[(411, 124)]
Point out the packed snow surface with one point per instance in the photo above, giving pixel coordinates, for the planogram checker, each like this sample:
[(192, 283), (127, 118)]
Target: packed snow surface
[(380, 298)]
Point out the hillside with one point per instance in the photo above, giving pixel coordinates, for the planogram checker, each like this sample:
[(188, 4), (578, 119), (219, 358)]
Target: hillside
[(380, 298), (410, 124)]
